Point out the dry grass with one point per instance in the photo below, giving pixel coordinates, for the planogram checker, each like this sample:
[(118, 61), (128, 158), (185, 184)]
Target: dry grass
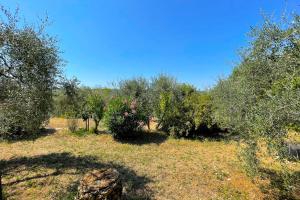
[(155, 167), (61, 123)]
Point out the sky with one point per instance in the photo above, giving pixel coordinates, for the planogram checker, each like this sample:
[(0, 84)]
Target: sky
[(196, 41)]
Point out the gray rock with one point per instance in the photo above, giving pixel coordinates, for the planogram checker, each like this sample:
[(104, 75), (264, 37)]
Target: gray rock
[(294, 150), (104, 184)]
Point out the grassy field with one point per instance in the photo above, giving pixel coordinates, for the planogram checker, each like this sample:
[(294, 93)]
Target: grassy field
[(154, 167)]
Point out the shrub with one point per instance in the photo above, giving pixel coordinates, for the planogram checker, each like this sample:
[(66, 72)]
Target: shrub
[(139, 89), (162, 99), (123, 118), (182, 111)]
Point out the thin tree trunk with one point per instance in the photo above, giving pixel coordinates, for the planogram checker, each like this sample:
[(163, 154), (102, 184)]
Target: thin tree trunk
[(160, 121), (88, 124), (96, 126), (148, 124)]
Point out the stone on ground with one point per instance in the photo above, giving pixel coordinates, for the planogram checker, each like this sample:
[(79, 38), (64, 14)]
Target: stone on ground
[(104, 184)]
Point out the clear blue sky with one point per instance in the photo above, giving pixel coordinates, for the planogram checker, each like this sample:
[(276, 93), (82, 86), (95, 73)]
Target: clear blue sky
[(195, 41)]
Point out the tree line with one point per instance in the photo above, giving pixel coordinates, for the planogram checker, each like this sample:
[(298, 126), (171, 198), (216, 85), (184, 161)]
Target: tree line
[(178, 109)]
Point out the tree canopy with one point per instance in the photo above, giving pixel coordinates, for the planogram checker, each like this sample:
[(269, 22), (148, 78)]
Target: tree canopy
[(30, 65)]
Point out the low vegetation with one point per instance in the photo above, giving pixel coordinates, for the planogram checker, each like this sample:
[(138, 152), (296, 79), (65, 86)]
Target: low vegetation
[(123, 118)]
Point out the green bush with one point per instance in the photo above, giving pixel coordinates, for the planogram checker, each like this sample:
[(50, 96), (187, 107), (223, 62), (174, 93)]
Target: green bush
[(162, 98), (138, 89), (123, 118), (183, 111)]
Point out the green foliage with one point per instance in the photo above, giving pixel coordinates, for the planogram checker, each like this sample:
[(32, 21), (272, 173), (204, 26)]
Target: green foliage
[(29, 67), (81, 132), (162, 88), (261, 98), (106, 94), (264, 88), (123, 117), (200, 104), (64, 99), (71, 102), (95, 106), (248, 154), (166, 96), (180, 109), (179, 113), (139, 89)]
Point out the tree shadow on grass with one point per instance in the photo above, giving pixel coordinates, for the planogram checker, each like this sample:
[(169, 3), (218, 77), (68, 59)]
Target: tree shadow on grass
[(204, 133), (29, 137), (143, 138), (208, 136), (66, 163), (277, 183)]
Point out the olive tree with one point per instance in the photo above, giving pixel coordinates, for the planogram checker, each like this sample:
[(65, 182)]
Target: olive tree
[(95, 106), (29, 69), (261, 99)]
